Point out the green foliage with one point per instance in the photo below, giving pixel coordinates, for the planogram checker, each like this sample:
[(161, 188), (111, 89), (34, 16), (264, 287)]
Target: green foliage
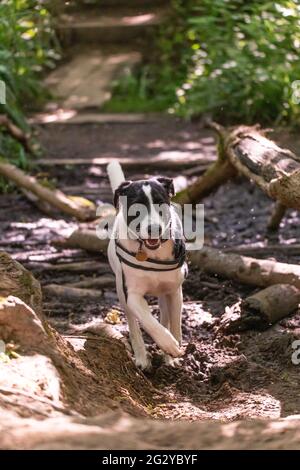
[(243, 60), (27, 45), (235, 60), (133, 93)]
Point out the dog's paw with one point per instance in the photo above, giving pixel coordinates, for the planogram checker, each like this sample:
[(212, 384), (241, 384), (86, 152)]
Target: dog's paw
[(171, 361), (169, 345), (143, 362)]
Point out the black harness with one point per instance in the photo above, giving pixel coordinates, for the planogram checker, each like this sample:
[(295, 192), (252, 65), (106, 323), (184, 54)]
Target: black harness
[(129, 258)]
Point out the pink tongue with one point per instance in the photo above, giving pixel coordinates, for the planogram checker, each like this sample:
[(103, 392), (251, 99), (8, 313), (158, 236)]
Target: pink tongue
[(152, 241)]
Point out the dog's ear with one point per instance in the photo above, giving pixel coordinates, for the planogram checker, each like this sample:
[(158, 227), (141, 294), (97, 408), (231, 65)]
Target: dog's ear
[(121, 191), (167, 184)]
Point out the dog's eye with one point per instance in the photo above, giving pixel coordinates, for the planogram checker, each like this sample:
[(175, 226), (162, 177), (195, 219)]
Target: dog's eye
[(160, 202)]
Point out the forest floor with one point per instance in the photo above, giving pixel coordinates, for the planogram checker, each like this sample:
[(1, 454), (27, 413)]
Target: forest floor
[(221, 377)]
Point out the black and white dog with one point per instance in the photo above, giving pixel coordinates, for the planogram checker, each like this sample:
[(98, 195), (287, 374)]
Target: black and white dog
[(147, 255)]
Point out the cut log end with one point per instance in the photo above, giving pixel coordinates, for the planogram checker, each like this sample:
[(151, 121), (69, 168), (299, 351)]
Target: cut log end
[(273, 303)]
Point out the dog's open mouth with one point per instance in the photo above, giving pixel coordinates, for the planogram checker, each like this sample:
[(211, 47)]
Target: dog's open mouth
[(152, 243)]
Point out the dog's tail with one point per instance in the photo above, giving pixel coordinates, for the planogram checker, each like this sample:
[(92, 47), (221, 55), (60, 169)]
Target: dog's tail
[(115, 174)]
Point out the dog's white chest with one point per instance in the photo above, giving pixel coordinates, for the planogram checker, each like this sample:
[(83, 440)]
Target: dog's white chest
[(153, 283)]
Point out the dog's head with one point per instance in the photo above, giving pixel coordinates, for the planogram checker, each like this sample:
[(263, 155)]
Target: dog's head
[(145, 205)]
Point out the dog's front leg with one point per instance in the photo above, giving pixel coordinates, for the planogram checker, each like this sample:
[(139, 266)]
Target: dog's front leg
[(171, 312), (163, 338), (174, 302), (141, 357), (164, 312)]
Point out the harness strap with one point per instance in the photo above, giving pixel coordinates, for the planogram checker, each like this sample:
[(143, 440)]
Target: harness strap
[(129, 258)]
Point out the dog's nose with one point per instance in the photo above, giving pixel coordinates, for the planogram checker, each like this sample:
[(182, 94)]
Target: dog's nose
[(154, 230)]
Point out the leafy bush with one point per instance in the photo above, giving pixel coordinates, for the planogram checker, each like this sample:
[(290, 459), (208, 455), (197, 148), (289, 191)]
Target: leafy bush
[(243, 60), (135, 93), (27, 45), (232, 59)]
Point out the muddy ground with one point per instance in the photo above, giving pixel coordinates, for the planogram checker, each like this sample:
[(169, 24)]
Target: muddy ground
[(221, 377)]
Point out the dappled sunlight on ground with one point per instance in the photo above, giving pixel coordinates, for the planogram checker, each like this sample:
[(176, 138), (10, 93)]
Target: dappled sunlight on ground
[(221, 377)]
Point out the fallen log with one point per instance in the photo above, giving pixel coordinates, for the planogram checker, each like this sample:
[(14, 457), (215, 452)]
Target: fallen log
[(216, 174), (43, 206), (95, 282), (273, 303), (51, 258), (70, 294), (275, 170), (84, 239), (80, 208), (77, 267), (262, 309), (253, 271), (254, 250), (246, 150)]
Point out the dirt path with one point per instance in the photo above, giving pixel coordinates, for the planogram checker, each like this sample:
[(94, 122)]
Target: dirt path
[(101, 44), (221, 377), (249, 375)]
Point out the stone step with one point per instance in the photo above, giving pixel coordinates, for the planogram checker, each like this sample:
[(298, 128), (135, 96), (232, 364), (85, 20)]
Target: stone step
[(85, 81), (67, 116), (109, 25)]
